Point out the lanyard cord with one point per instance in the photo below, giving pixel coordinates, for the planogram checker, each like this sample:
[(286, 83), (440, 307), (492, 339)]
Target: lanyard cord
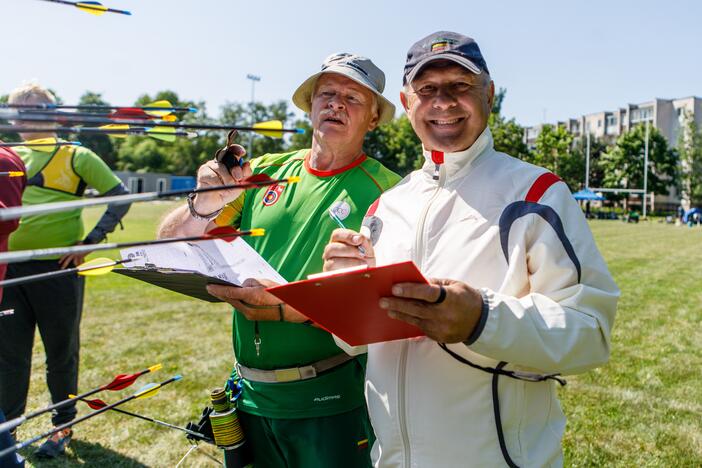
[(496, 373)]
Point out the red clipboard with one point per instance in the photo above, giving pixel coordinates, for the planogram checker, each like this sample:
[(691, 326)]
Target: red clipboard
[(346, 303)]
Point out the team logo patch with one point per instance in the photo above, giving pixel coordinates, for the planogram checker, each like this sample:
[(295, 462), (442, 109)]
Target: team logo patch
[(341, 209), (371, 227), (273, 194)]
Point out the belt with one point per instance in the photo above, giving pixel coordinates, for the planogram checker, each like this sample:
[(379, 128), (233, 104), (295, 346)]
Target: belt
[(292, 374)]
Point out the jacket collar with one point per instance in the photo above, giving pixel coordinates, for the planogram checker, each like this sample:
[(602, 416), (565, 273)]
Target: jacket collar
[(455, 163)]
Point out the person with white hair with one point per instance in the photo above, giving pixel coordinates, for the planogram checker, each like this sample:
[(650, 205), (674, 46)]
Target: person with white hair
[(54, 174)]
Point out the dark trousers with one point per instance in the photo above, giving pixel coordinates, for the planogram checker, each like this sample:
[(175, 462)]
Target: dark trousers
[(55, 307)]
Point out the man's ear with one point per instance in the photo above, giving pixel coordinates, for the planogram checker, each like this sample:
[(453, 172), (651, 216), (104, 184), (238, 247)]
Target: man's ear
[(403, 100), (491, 95)]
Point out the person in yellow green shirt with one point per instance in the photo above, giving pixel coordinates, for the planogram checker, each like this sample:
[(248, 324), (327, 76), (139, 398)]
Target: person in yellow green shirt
[(54, 174), (314, 413)]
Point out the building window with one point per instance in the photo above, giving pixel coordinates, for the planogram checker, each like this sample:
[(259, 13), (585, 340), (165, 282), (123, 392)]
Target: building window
[(136, 184), (161, 184)]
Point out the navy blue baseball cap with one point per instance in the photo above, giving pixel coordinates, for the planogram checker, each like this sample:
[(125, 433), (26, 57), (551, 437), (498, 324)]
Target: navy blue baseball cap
[(444, 45)]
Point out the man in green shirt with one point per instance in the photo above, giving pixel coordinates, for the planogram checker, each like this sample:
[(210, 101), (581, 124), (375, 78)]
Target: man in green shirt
[(302, 402), (54, 174)]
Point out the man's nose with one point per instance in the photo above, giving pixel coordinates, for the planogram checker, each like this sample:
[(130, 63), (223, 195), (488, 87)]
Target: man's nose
[(335, 102), (444, 99)]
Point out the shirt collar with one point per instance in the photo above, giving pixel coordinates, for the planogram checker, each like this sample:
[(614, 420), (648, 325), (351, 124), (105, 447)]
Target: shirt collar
[(453, 163)]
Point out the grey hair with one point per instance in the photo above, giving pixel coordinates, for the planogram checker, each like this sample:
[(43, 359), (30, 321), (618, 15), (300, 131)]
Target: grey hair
[(27, 91)]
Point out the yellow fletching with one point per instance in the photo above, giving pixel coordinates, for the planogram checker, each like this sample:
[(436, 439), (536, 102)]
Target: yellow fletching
[(155, 367), (42, 144), (116, 127), (96, 267), (149, 391), (160, 135), (257, 232), (293, 179), (159, 113), (271, 128), (169, 118), (92, 8)]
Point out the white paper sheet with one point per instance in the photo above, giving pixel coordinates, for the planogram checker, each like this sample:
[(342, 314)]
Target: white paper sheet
[(231, 261)]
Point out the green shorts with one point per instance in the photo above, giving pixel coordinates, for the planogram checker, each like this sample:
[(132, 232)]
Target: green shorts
[(342, 440)]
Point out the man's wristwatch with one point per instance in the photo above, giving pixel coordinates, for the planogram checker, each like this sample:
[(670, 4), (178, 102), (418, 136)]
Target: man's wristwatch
[(196, 215)]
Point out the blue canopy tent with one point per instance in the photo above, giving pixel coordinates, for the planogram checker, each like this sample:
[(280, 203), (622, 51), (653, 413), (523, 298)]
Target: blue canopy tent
[(689, 214), (587, 195)]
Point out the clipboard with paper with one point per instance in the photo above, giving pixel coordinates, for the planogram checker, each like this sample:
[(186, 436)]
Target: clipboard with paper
[(188, 267), (345, 302)]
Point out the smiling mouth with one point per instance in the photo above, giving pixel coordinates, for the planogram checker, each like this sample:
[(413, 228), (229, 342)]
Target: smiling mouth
[(446, 122)]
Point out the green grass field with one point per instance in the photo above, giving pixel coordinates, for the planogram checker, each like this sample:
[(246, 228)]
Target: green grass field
[(643, 409)]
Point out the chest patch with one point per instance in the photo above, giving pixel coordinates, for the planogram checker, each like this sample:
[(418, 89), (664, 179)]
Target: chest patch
[(341, 209), (371, 228), (273, 195)]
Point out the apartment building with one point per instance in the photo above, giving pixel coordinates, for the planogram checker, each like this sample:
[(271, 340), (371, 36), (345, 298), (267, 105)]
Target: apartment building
[(667, 115)]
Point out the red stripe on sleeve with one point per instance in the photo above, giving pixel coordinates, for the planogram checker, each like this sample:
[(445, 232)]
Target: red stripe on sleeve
[(540, 186)]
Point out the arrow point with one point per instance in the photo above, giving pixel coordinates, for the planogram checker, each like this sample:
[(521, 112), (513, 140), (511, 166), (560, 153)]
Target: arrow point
[(177, 377)]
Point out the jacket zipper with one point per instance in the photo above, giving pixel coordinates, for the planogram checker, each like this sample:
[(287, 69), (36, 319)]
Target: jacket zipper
[(402, 372)]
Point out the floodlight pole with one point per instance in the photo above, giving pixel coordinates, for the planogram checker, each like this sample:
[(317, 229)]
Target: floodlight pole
[(645, 187), (587, 162), (253, 79)]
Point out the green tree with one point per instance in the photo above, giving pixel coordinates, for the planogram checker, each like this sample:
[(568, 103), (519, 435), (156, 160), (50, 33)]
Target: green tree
[(623, 164), (576, 169), (181, 157), (237, 114), (102, 145), (301, 140), (395, 145), (507, 134), (552, 148), (690, 151)]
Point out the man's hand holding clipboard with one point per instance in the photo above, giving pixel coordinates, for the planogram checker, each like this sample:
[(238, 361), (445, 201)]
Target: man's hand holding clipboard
[(445, 310)]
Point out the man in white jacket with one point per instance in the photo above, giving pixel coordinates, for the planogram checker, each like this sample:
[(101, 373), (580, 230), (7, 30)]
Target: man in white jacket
[(519, 292)]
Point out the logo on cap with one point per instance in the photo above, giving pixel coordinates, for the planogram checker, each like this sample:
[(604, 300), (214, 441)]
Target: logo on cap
[(441, 44)]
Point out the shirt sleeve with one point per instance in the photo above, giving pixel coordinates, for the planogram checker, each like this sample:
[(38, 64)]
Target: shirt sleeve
[(11, 188), (93, 170), (563, 321)]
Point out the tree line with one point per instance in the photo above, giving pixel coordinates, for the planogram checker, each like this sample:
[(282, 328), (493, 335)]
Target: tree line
[(617, 165)]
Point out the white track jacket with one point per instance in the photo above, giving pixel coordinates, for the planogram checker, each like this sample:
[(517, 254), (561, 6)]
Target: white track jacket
[(514, 231)]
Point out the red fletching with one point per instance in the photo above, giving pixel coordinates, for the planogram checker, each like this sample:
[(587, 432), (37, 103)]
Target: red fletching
[(129, 113), (96, 403), (122, 381), (256, 178), (226, 233)]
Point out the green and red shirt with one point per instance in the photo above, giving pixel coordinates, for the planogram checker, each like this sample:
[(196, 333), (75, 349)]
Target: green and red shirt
[(298, 227)]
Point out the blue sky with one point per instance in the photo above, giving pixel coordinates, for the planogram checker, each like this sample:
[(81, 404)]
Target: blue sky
[(557, 59)]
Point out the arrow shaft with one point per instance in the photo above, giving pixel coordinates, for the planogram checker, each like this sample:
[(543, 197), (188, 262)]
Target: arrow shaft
[(162, 423), (25, 255), (54, 274), (22, 143), (21, 445), (97, 108), (52, 117), (107, 131), (12, 423), (89, 7), (8, 214)]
